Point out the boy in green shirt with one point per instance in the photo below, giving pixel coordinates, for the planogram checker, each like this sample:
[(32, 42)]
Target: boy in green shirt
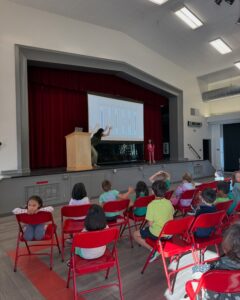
[(222, 192), (159, 211)]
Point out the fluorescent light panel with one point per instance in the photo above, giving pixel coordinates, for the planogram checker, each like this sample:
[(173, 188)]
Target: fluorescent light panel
[(237, 64), (220, 46), (188, 17), (159, 2)]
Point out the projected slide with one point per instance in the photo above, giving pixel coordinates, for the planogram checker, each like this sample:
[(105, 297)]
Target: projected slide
[(125, 117)]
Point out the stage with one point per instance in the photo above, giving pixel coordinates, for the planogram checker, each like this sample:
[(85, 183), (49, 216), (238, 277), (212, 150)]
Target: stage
[(55, 185)]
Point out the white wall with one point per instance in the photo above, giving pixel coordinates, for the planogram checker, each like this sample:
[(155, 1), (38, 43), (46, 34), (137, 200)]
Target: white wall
[(31, 27)]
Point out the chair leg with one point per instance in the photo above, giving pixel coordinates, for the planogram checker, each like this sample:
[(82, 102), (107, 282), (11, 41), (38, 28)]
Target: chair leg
[(130, 234), (51, 253), (147, 261), (16, 255), (167, 275), (74, 285), (57, 242), (107, 273), (69, 274), (119, 278), (28, 249), (124, 227), (63, 246)]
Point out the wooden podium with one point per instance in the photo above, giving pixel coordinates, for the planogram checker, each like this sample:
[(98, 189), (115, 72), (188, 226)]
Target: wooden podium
[(78, 151)]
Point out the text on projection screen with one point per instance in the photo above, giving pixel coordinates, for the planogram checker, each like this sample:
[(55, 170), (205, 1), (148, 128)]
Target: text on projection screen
[(125, 117)]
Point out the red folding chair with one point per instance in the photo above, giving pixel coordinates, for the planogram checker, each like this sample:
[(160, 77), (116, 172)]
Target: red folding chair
[(186, 196), (139, 203), (207, 220), (224, 206), (218, 281), (174, 248), (69, 222), (122, 220), (235, 216), (79, 266), (168, 194), (41, 217)]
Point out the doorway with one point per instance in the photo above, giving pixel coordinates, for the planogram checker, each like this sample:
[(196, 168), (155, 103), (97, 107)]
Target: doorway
[(207, 149), (231, 142)]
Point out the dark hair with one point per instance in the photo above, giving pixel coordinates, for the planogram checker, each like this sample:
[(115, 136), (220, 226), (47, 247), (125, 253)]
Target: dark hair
[(159, 188), (79, 191), (106, 185), (209, 195), (95, 219), (37, 199), (141, 187), (231, 242), (223, 186), (99, 133)]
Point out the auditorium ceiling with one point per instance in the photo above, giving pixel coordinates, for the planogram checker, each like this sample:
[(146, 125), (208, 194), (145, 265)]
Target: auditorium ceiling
[(158, 28)]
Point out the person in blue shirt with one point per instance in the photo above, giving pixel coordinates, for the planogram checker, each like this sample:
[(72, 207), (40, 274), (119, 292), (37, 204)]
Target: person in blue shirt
[(207, 197)]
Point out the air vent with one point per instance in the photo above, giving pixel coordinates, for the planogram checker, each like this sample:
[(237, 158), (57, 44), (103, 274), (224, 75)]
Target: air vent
[(221, 93)]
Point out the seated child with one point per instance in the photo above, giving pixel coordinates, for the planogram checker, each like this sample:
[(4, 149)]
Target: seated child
[(95, 220), (230, 260), (159, 211), (235, 194), (34, 205), (141, 191), (79, 195), (207, 197), (187, 184), (222, 192), (162, 176), (111, 195)]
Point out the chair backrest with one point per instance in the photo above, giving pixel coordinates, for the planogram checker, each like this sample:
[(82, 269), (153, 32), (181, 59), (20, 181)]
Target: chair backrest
[(189, 194), (221, 281), (71, 211), (208, 220), (38, 218), (94, 239), (223, 205), (143, 201), (116, 205), (177, 226), (168, 194)]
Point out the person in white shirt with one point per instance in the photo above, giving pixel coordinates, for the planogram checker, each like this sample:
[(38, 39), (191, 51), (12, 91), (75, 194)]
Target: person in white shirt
[(79, 195), (34, 205), (95, 220)]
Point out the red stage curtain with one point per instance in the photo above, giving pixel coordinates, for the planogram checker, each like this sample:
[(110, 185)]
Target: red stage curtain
[(58, 104)]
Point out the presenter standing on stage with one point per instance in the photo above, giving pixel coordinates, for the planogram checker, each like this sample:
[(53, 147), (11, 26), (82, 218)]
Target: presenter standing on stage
[(96, 139)]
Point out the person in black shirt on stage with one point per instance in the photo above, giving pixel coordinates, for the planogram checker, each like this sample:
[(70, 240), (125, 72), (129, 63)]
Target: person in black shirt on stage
[(95, 140)]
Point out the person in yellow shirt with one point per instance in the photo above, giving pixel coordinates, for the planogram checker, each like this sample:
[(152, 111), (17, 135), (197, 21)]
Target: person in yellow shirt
[(159, 211)]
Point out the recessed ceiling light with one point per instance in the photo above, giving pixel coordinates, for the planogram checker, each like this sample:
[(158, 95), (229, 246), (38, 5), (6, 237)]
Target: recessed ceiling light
[(188, 17), (159, 2), (237, 64), (220, 46)]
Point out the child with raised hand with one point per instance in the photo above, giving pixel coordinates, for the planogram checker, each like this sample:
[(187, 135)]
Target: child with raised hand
[(34, 205), (112, 195), (159, 211), (187, 184), (79, 195), (161, 176), (95, 220)]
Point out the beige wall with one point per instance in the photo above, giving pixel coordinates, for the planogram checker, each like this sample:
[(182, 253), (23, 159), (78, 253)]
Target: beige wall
[(31, 27)]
